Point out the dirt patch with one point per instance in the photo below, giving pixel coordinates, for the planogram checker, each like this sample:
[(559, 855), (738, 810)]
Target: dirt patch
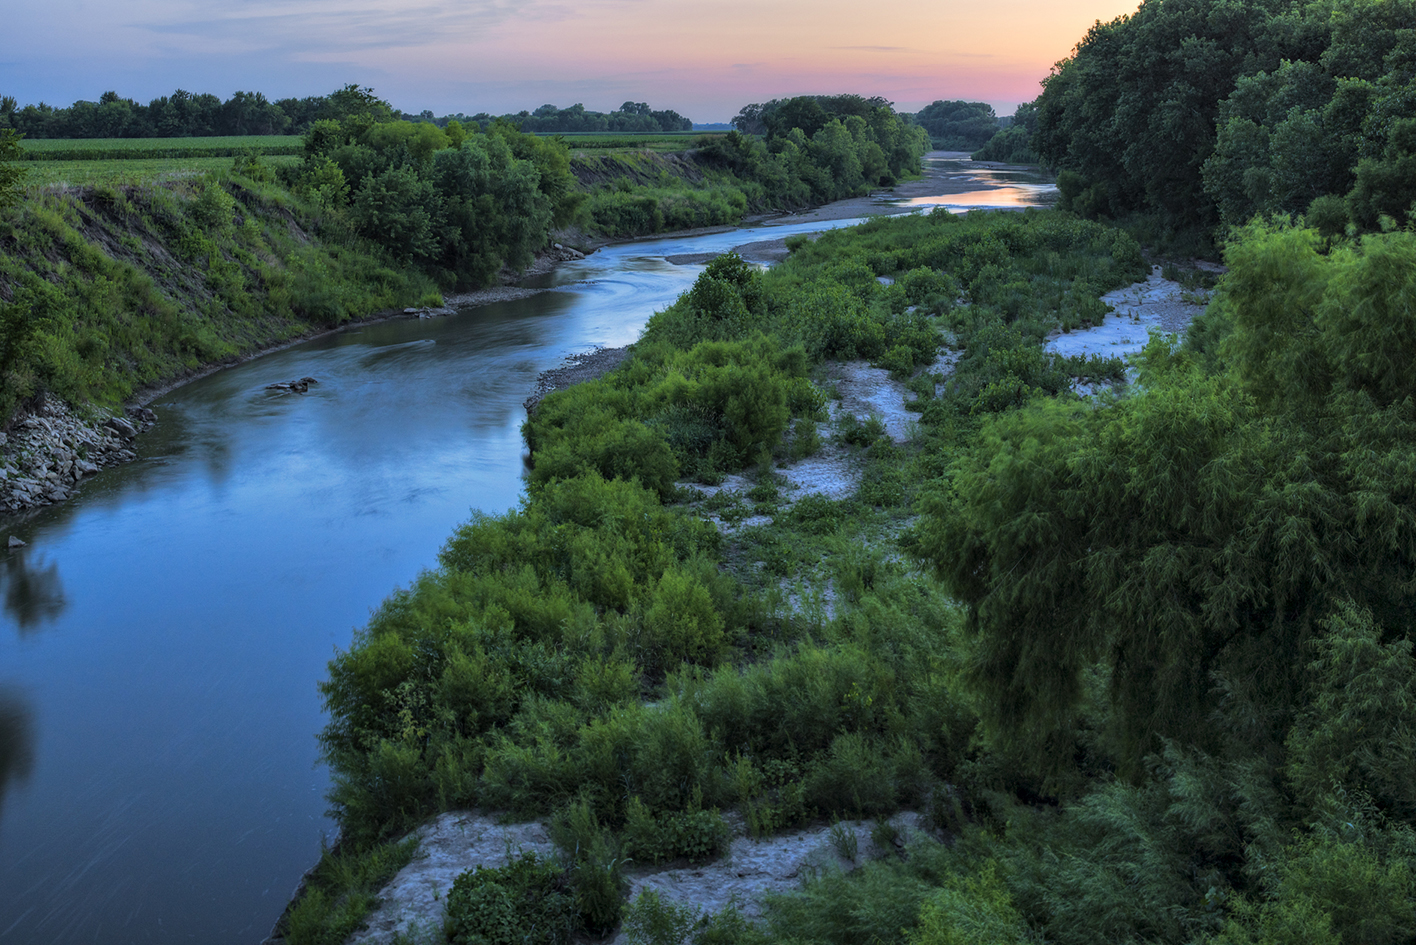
[(833, 471), (577, 369), (645, 168), (756, 869), (870, 391), (415, 900), (768, 252), (1156, 304), (500, 293)]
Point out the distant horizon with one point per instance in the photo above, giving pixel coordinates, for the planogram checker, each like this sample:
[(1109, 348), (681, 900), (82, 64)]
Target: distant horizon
[(1001, 109), (500, 57)]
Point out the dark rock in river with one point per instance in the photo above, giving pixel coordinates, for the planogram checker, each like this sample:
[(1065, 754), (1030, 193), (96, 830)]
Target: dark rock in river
[(293, 387)]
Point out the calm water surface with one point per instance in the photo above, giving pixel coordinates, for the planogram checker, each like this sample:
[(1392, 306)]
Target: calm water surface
[(162, 633)]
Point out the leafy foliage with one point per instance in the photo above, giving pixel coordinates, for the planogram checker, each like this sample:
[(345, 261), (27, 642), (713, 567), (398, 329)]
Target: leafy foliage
[(957, 126), (525, 902), (1202, 527), (1212, 111), (10, 174)]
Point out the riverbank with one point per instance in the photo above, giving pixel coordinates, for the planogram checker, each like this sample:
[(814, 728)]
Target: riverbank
[(47, 454), (25, 487)]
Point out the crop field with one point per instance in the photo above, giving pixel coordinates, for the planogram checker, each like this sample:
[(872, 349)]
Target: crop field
[(128, 171), (106, 149), (678, 141)]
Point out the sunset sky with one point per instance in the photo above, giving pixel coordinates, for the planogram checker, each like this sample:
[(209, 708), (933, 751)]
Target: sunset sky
[(703, 59)]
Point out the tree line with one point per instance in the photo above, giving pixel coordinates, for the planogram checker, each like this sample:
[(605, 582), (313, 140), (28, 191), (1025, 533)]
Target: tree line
[(186, 114), (182, 114), (459, 203), (631, 117)]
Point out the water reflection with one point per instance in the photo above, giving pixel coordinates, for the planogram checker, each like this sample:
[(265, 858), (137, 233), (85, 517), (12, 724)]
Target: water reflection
[(33, 592), (977, 186), (1013, 197), (16, 742)]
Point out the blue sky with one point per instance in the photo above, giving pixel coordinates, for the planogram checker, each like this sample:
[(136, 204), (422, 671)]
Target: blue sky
[(704, 59)]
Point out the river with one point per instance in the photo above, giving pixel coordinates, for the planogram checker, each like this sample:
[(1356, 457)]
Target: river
[(163, 631)]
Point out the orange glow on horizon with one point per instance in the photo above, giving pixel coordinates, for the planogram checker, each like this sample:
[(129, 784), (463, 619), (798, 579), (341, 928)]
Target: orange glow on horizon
[(704, 60)]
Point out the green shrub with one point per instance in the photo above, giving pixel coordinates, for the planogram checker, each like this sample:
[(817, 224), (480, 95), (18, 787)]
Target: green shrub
[(971, 910), (596, 873), (694, 834), (526, 902), (214, 207), (853, 778), (680, 623), (341, 891), (651, 920)]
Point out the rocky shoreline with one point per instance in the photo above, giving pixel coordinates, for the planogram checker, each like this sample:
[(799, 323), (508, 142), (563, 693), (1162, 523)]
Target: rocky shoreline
[(51, 449), (577, 369)]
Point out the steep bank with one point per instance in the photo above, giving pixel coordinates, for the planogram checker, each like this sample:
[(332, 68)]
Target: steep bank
[(108, 292)]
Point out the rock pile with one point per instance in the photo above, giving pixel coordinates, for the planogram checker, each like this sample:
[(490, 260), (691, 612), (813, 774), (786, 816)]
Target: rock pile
[(47, 452)]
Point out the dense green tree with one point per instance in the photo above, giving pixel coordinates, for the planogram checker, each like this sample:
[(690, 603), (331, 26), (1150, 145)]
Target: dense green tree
[(459, 212), (1133, 110), (1197, 534), (958, 126)]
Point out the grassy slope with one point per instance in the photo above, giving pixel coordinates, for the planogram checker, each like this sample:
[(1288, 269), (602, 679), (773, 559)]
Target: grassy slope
[(114, 172), (107, 149), (110, 289)]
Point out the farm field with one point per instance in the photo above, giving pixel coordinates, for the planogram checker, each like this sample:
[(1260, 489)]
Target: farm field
[(596, 141), (90, 173), (103, 149)]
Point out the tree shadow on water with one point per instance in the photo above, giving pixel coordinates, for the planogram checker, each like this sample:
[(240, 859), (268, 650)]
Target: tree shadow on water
[(32, 593), (16, 742)]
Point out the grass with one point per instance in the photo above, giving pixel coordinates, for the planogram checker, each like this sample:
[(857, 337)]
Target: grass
[(103, 149), (112, 287), (130, 171), (677, 141)]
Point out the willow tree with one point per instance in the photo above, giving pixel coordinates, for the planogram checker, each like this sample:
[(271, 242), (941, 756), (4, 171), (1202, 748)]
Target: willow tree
[(1180, 550)]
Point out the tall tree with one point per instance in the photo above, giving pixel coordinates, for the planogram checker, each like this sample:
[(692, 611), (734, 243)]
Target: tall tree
[(1189, 541)]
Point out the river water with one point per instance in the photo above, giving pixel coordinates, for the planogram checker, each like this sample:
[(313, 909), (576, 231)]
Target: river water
[(162, 632)]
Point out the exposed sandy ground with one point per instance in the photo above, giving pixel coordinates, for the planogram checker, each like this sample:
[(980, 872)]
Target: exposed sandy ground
[(1156, 304), (760, 251), (415, 899), (449, 845), (834, 470)]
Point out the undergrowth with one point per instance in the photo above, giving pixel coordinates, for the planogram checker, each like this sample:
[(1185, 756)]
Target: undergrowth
[(603, 658)]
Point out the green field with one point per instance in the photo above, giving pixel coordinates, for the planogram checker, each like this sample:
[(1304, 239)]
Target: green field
[(128, 171), (676, 141), (105, 149)]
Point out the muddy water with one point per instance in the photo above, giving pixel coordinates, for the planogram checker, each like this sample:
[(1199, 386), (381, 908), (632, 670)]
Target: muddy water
[(162, 633)]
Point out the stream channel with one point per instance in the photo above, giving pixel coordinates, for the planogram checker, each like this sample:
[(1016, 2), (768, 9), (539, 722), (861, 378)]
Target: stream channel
[(162, 632)]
